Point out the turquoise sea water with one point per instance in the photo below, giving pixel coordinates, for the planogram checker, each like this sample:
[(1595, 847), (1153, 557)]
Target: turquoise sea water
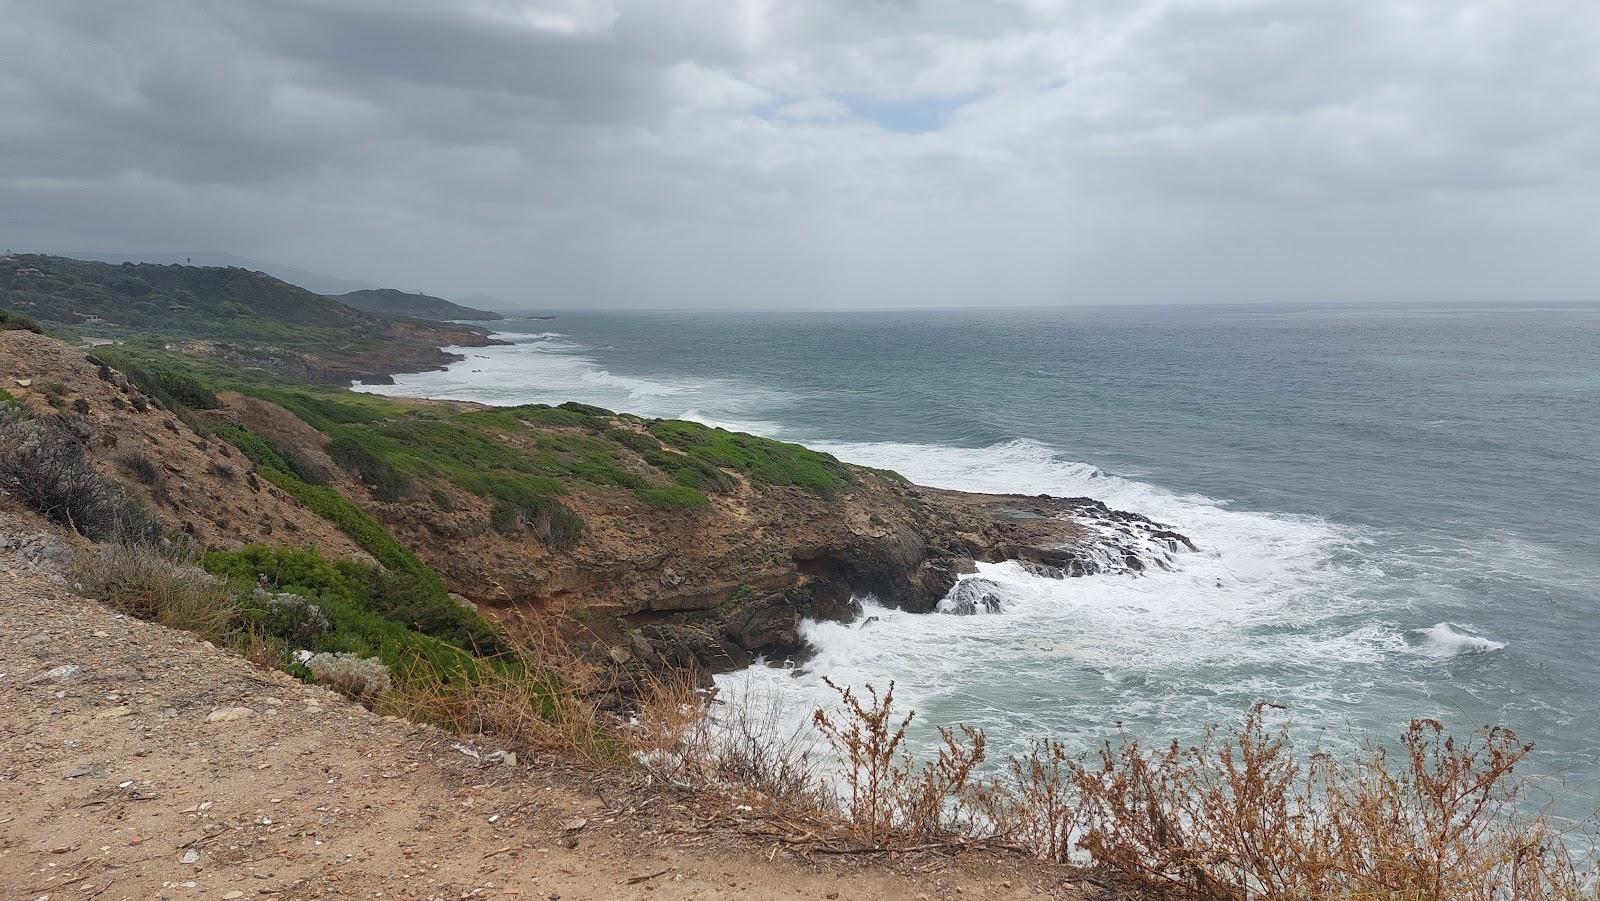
[(1397, 508)]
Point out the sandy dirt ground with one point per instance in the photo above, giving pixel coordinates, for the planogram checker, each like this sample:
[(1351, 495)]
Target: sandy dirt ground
[(139, 762)]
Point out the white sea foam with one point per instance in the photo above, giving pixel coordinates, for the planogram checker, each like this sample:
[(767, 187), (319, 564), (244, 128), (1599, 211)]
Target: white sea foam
[(1452, 640), (1261, 610), (548, 367)]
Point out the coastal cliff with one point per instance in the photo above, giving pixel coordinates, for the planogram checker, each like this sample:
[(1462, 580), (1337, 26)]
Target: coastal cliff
[(671, 544)]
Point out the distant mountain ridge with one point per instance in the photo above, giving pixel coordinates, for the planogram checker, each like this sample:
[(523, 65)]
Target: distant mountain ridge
[(391, 302), (315, 282), (242, 319)]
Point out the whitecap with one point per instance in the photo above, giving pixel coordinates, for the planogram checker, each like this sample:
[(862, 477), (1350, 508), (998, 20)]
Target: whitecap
[(1452, 640)]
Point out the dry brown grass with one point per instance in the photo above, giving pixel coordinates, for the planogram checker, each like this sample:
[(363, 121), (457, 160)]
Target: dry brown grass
[(164, 586), (525, 699)]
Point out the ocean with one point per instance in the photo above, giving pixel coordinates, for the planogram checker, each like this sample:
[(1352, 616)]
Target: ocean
[(1397, 508)]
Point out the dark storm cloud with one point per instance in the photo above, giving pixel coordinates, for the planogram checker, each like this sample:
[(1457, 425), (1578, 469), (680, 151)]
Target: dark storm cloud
[(750, 152)]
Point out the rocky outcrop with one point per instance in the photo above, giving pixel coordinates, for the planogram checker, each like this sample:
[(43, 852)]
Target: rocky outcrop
[(917, 564)]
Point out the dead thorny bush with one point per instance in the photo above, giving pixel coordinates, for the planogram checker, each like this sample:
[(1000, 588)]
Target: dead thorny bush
[(692, 737), (1238, 816)]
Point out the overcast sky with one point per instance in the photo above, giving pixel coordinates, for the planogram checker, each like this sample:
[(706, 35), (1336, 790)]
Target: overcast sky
[(796, 153)]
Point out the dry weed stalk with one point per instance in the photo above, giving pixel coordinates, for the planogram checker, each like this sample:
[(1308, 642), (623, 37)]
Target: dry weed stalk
[(1036, 806), (889, 796)]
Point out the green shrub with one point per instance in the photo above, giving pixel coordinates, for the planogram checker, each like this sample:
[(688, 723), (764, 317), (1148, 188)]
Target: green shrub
[(16, 322), (673, 497), (573, 406), (641, 444), (554, 417), (386, 482), (762, 459), (371, 611), (365, 531), (175, 388), (545, 516)]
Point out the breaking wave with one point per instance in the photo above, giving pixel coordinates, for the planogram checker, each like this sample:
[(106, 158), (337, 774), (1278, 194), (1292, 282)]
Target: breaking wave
[(1451, 640), (1268, 606), (548, 367)]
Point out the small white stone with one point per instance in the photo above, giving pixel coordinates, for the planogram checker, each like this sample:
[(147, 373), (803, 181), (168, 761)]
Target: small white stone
[(229, 714)]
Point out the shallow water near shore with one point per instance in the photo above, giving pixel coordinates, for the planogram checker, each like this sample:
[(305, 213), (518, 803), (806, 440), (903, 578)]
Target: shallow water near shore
[(1396, 509)]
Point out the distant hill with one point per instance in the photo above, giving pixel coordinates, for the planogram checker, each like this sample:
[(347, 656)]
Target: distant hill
[(243, 318), (389, 302), (315, 282)]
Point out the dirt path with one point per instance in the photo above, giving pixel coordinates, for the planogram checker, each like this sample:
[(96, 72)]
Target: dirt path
[(129, 770)]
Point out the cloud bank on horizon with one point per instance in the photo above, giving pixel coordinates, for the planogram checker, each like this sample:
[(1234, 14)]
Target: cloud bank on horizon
[(856, 153)]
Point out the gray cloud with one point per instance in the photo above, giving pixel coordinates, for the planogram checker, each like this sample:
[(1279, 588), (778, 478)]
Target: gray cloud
[(839, 153)]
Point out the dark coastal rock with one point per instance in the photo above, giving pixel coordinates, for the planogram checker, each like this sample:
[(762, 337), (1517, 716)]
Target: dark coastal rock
[(1043, 570), (772, 622), (939, 575), (667, 648), (693, 614)]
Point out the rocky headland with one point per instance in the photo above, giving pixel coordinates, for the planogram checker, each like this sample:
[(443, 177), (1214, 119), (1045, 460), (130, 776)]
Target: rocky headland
[(652, 574)]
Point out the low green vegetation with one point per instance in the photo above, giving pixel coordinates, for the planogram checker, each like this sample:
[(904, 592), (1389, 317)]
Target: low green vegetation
[(175, 387), (525, 459), (674, 497), (366, 532), (762, 459), (369, 611), (16, 322)]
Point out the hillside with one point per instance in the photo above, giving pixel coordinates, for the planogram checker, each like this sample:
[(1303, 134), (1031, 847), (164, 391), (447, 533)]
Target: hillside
[(240, 319), (389, 302), (311, 281), (305, 794)]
